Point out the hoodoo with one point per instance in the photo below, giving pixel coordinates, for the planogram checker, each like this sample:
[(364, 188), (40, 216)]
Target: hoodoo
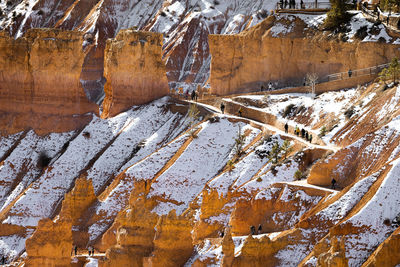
[(134, 71)]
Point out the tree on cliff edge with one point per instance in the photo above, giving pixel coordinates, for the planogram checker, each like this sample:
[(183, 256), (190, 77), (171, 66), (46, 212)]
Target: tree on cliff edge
[(337, 15)]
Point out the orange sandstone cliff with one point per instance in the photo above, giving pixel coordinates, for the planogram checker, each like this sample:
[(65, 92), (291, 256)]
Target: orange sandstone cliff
[(39, 81), (134, 71), (262, 54)]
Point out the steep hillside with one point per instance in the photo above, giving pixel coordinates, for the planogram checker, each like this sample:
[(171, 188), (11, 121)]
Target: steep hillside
[(133, 185)]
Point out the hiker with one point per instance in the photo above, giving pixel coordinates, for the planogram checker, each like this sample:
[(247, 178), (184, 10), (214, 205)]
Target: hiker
[(306, 135), (270, 86), (3, 260), (193, 95), (301, 4), (187, 94), (303, 132), (196, 95), (259, 229), (92, 251), (240, 112), (350, 73), (89, 251), (222, 107), (76, 250), (310, 138), (253, 230), (333, 183), (286, 3), (221, 234), (286, 128)]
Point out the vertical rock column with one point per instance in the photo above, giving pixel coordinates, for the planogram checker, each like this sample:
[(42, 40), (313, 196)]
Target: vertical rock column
[(134, 70)]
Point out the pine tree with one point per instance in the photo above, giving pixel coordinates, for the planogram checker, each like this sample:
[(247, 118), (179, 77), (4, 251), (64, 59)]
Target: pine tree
[(239, 142), (337, 15), (193, 115), (274, 154), (286, 148), (391, 72)]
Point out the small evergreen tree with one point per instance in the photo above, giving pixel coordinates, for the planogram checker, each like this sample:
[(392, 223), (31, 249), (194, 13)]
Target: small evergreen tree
[(383, 75), (337, 15), (274, 154), (298, 175), (394, 69), (391, 72), (239, 142), (286, 148), (322, 131), (193, 115)]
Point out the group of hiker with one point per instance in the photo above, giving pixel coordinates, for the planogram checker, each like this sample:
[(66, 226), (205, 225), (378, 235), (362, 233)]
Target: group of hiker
[(3, 260), (253, 230), (269, 88), (291, 4), (75, 251), (194, 95), (303, 133)]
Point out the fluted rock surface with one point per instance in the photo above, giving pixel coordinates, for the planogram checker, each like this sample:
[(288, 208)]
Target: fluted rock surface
[(39, 85), (134, 71)]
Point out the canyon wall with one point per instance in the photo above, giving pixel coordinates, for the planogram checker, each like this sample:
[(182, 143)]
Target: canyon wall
[(134, 71), (253, 58), (39, 81)]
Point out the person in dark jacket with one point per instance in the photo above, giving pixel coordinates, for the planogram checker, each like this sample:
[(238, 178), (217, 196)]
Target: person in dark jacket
[(193, 95), (222, 107), (259, 229), (252, 230), (333, 182), (286, 128)]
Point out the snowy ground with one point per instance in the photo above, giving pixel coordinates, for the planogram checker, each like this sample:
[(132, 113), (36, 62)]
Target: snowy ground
[(186, 177)]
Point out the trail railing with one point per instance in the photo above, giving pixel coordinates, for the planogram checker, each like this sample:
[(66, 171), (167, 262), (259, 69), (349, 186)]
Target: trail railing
[(285, 5), (354, 73)]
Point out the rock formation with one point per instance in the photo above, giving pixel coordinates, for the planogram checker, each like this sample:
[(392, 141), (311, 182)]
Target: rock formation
[(75, 205), (39, 81), (134, 71), (260, 55), (173, 243), (50, 245), (134, 229), (228, 248)]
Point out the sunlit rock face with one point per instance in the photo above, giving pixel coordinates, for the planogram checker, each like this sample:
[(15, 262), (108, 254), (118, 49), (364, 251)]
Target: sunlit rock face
[(134, 71)]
